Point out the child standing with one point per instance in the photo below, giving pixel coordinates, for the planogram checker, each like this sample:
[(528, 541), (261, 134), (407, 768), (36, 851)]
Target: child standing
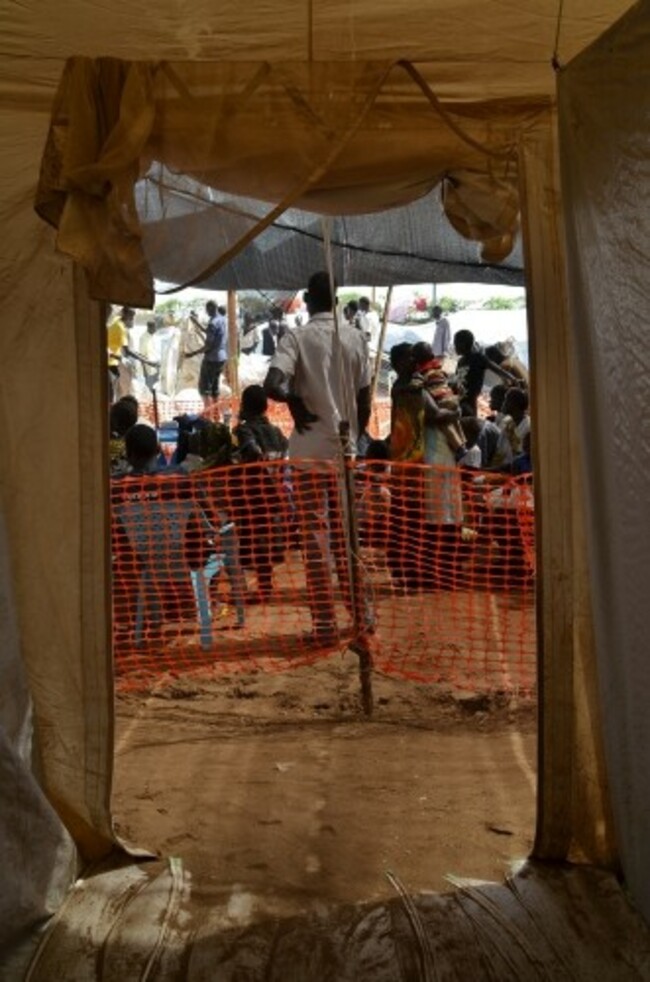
[(259, 503)]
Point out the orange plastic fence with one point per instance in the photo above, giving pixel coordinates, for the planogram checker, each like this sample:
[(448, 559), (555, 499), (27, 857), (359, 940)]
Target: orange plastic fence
[(253, 566)]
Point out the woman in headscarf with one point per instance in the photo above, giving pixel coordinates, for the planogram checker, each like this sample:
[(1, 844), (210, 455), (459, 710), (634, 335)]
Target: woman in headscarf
[(426, 508)]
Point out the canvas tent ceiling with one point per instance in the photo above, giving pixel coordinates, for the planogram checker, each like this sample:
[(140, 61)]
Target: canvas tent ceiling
[(489, 62), (475, 49)]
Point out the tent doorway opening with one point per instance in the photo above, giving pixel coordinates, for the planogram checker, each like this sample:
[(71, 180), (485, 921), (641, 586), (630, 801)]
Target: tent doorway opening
[(246, 751)]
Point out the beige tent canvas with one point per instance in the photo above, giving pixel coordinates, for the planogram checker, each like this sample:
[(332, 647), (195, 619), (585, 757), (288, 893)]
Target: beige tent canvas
[(372, 106)]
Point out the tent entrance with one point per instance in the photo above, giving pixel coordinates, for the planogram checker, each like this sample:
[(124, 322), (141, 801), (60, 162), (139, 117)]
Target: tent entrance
[(247, 752)]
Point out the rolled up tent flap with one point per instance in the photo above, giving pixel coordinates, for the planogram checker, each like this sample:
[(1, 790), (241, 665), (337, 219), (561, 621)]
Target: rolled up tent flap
[(337, 138)]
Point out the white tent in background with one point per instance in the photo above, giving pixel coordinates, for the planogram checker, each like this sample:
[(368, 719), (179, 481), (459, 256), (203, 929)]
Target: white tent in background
[(334, 109)]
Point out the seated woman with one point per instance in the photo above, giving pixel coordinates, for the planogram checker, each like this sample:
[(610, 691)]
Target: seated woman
[(255, 437), (123, 415)]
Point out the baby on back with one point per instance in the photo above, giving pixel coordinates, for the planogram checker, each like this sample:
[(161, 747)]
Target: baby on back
[(430, 374)]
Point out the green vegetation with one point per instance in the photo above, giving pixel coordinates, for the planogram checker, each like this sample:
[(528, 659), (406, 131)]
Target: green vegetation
[(344, 297), (254, 304), (504, 303), (173, 307), (449, 305)]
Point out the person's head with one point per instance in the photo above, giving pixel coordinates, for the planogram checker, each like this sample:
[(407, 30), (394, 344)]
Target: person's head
[(377, 450), (274, 327), (318, 296), (515, 404), (211, 308), (401, 358), (497, 395), (221, 310), (141, 445), (127, 316), (212, 442), (364, 304), (377, 456), (495, 354), (151, 327), (132, 401), (351, 310), (422, 353), (122, 416), (463, 342), (471, 429), (253, 402), (437, 313)]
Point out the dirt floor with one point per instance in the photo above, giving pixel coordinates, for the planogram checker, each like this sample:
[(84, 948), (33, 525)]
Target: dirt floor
[(276, 785)]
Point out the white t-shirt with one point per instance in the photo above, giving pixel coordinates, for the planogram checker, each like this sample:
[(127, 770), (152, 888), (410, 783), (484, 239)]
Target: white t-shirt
[(150, 349), (250, 339), (327, 373), (370, 326), (441, 338), (515, 433), (471, 457)]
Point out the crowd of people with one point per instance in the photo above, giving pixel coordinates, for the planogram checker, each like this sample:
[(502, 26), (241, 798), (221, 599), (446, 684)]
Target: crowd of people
[(183, 353), (321, 370)]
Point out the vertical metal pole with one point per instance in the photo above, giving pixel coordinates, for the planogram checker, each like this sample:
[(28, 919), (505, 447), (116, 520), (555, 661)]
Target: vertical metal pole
[(233, 345), (380, 345), (156, 420), (360, 643)]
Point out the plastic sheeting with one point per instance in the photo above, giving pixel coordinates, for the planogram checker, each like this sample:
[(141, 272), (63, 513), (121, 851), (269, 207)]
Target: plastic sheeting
[(34, 880), (50, 453), (606, 173), (161, 922), (412, 244)]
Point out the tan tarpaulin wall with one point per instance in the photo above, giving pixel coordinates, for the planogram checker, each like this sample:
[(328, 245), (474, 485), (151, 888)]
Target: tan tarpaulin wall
[(52, 342), (605, 140)]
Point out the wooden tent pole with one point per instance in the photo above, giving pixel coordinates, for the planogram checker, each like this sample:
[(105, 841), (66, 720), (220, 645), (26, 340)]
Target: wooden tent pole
[(380, 345), (233, 344)]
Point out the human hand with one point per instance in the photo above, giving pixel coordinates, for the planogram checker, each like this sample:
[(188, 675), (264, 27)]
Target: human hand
[(302, 417)]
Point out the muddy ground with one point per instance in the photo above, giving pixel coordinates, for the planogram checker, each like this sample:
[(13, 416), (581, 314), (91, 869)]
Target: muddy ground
[(276, 785)]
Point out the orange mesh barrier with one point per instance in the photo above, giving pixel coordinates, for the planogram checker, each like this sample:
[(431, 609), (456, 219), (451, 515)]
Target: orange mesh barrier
[(250, 566)]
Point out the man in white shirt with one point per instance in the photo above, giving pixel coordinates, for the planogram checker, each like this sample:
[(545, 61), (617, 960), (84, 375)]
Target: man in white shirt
[(322, 371), (369, 323), (441, 335), (249, 336), (323, 374), (151, 353)]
